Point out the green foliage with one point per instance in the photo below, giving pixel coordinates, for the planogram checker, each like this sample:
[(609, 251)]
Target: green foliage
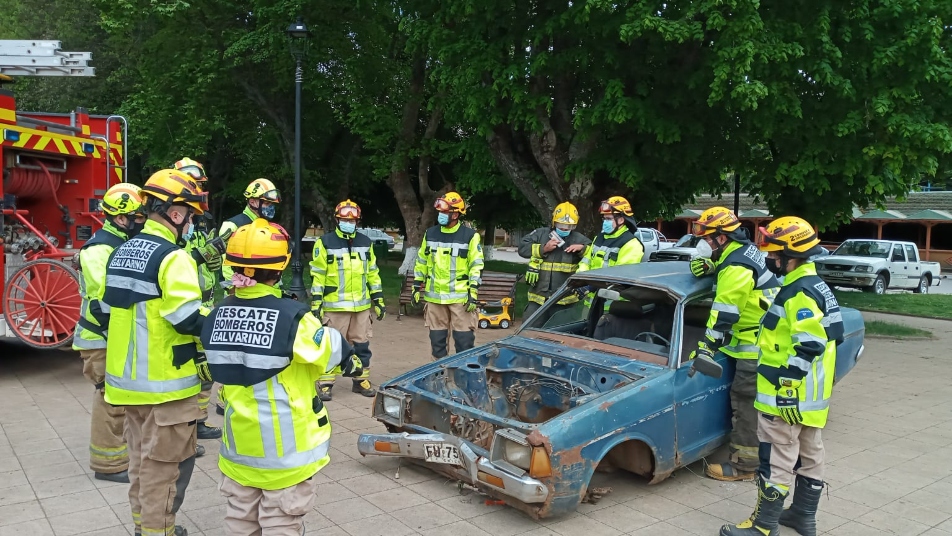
[(926, 305), (878, 328)]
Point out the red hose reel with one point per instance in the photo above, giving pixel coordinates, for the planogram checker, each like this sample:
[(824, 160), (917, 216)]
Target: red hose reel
[(31, 184)]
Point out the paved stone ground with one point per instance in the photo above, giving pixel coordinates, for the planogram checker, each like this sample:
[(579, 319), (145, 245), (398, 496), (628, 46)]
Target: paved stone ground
[(889, 453)]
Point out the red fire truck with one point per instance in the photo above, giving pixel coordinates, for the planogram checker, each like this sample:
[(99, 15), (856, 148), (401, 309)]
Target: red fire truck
[(56, 168)]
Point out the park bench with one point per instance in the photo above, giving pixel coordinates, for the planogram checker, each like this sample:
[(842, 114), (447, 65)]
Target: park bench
[(495, 286)]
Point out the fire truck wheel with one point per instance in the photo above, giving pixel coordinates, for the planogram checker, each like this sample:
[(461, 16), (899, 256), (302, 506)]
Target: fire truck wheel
[(41, 303)]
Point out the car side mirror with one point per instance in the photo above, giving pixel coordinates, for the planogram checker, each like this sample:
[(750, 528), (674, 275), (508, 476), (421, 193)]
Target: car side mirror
[(609, 294), (706, 366)]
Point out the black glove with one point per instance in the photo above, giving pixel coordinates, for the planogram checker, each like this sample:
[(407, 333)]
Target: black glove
[(380, 309), (582, 291), (351, 367)]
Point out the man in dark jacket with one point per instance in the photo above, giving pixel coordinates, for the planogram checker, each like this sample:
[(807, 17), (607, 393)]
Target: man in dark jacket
[(554, 254)]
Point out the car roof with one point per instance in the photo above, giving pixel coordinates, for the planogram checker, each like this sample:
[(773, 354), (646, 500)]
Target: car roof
[(673, 276)]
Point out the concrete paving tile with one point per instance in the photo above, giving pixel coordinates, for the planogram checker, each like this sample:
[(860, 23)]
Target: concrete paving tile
[(893, 523), (345, 469), (505, 521), (411, 474), (115, 494), (425, 517), (624, 518), (459, 528), (369, 484), (118, 530), (20, 512), (844, 508), (16, 495), (332, 492), (658, 507), (436, 490), (63, 486), (467, 506), (348, 510), (826, 521), (582, 525), (314, 521), (697, 522), (381, 525), (8, 460), (661, 529), (728, 510), (207, 518), (872, 492), (199, 501), (39, 446), (858, 529), (917, 512), (36, 527), (44, 473), (53, 457), (394, 499), (84, 521), (74, 502)]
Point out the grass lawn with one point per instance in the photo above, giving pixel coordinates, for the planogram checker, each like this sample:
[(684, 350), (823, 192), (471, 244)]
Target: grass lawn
[(894, 331), (927, 305)]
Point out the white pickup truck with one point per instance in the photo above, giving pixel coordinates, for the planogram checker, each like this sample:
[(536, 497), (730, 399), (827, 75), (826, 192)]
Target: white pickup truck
[(878, 265)]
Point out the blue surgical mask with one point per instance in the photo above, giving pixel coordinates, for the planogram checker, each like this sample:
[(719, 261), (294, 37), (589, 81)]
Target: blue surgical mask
[(268, 212), (443, 218), (562, 232), (608, 226), (347, 227), (188, 232)]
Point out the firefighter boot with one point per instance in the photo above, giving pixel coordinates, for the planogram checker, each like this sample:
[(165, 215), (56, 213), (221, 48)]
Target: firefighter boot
[(179, 531), (801, 516), (464, 340), (122, 477), (728, 473), (765, 519), (208, 432), (362, 385)]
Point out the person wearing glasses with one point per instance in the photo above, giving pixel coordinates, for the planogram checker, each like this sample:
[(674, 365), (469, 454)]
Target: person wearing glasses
[(745, 289), (447, 277)]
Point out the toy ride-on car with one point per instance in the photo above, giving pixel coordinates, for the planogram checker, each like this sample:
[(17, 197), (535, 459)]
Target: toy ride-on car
[(499, 315)]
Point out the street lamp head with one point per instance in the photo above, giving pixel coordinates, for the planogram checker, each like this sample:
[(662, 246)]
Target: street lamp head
[(298, 37)]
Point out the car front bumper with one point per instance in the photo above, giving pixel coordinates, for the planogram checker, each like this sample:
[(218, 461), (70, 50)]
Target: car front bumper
[(856, 279), (475, 469)]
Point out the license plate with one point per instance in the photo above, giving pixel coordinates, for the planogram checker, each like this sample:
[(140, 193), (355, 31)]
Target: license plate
[(441, 453), (836, 274)]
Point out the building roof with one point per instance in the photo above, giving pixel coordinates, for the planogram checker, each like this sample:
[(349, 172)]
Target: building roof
[(917, 206)]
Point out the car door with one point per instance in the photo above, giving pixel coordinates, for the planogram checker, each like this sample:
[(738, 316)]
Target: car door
[(898, 278), (702, 404), (914, 272)]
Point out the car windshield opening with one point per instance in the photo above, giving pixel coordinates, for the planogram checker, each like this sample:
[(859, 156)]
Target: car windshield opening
[(864, 248), (628, 316)]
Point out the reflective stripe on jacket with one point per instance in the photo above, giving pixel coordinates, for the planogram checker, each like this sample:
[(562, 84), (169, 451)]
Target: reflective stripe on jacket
[(745, 289), (155, 315), (450, 261), (554, 267), (277, 432), (344, 272), (798, 340), (233, 223), (620, 247), (93, 258)]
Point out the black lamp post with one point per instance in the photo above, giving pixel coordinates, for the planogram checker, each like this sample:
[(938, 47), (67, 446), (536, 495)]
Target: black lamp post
[(298, 35)]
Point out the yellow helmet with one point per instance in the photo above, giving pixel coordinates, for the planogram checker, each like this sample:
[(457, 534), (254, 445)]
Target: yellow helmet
[(566, 214), (122, 198), (615, 204), (791, 235), (192, 168), (715, 220), (260, 244), (450, 202), (262, 189), (347, 210), (175, 188)]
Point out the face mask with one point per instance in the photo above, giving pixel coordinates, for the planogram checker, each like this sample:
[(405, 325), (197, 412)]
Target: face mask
[(704, 249), (443, 218), (268, 212), (563, 233), (774, 265), (347, 227), (187, 232), (134, 228), (608, 226)]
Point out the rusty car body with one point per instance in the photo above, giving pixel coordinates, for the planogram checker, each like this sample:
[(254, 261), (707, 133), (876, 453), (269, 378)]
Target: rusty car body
[(605, 382)]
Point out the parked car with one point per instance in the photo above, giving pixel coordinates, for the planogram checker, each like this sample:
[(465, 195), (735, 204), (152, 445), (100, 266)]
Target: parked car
[(653, 240), (682, 250), (527, 419), (378, 237), (878, 265)]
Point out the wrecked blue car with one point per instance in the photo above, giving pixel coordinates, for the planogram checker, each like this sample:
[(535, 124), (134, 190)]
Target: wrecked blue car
[(604, 383)]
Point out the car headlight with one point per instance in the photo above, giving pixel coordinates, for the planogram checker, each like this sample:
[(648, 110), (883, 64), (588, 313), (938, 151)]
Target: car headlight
[(864, 269), (392, 406), (513, 448), (516, 454)]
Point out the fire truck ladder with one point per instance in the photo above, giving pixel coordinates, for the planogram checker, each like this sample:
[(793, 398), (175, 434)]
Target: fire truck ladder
[(42, 58), (123, 129)]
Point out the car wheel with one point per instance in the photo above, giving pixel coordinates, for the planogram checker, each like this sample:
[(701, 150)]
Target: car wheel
[(504, 324), (923, 287), (483, 324), (879, 286)]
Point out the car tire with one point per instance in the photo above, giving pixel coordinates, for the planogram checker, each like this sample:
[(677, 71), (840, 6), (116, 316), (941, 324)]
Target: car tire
[(504, 324), (483, 324), (923, 287), (880, 285)]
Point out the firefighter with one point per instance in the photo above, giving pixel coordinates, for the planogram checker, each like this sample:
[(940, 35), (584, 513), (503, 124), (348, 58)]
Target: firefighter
[(797, 341), (198, 242), (744, 289), (269, 352), (554, 253), (345, 285), (617, 243), (447, 277), (155, 317), (122, 206), (263, 199)]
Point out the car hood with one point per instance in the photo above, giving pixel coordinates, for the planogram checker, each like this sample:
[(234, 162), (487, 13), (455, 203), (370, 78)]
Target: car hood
[(848, 260)]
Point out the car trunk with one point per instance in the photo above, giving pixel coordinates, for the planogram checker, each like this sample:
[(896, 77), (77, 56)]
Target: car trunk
[(506, 387)]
